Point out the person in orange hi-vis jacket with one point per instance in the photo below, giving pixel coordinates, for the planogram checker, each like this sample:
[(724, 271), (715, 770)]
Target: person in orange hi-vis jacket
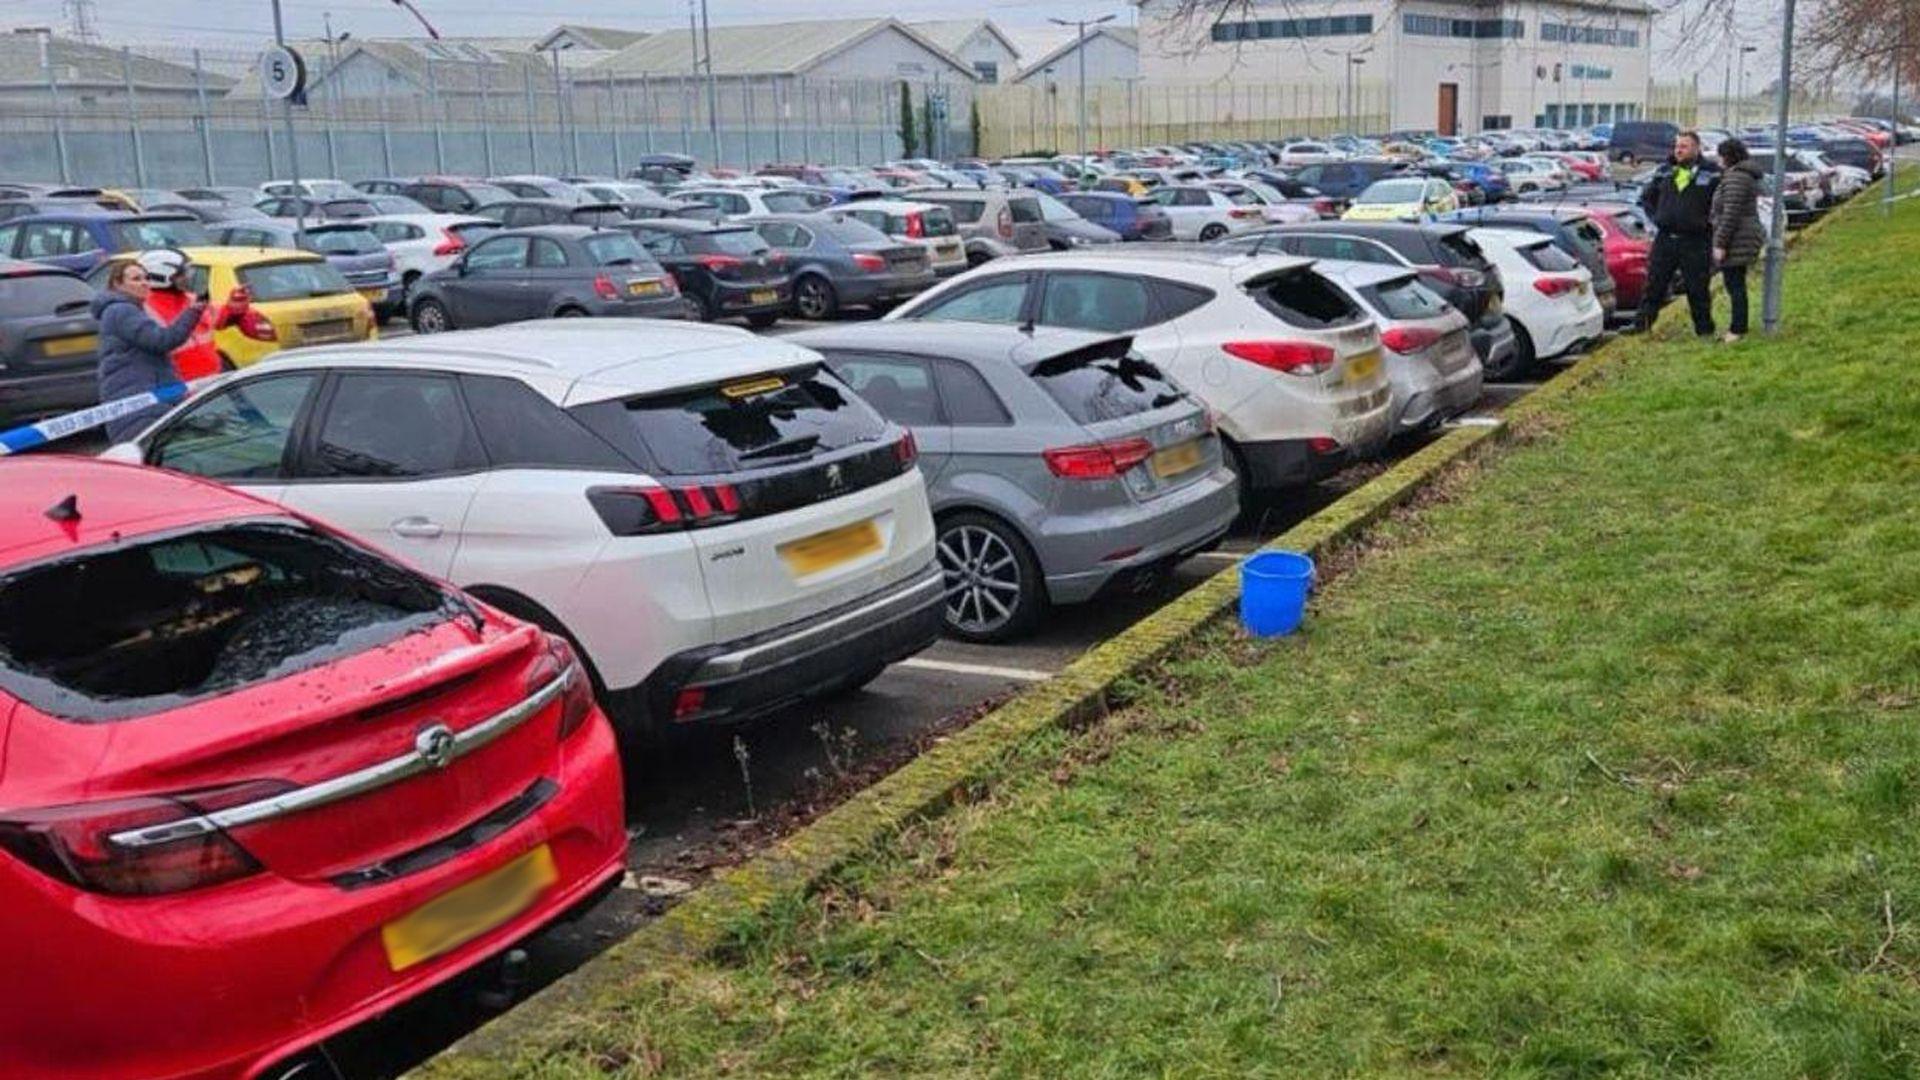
[(172, 293)]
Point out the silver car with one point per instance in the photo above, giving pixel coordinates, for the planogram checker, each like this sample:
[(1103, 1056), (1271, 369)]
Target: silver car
[(1061, 464), (991, 223), (1431, 367)]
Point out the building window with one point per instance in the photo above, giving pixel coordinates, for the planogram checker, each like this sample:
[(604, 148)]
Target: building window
[(988, 70), (1589, 35), (1438, 26), (1495, 123), (1269, 29)]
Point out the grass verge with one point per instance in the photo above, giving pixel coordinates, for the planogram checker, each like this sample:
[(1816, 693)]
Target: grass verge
[(1607, 764)]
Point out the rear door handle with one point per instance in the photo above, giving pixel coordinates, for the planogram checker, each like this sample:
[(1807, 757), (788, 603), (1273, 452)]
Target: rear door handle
[(417, 528)]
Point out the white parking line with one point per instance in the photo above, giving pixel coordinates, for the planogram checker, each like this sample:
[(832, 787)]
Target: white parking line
[(1473, 421), (1510, 386), (1223, 556), (921, 663)]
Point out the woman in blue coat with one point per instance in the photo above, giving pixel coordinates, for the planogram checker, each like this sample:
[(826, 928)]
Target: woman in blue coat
[(135, 349)]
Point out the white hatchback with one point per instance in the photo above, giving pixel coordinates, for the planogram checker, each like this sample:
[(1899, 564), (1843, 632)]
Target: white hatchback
[(423, 243), (1290, 366), (1203, 213), (1549, 296), (718, 523)]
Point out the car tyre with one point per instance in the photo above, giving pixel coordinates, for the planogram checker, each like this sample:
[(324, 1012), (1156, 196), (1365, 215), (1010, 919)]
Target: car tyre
[(763, 320), (430, 316), (814, 298), (1212, 232), (702, 311), (993, 588), (1524, 356), (570, 313)]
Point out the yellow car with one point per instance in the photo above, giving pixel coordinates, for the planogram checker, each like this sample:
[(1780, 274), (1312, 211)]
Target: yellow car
[(1403, 198), (298, 299), (1124, 184)]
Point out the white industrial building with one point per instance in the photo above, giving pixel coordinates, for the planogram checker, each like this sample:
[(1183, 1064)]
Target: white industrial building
[(1453, 67), (979, 42), (1112, 54)]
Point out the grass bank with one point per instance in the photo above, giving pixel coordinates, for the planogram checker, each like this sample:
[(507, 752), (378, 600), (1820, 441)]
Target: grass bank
[(1610, 762)]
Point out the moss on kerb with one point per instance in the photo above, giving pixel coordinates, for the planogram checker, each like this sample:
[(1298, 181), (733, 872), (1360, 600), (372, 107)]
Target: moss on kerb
[(578, 1010)]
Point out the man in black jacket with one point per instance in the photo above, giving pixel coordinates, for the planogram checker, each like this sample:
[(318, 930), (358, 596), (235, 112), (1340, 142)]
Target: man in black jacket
[(1679, 199)]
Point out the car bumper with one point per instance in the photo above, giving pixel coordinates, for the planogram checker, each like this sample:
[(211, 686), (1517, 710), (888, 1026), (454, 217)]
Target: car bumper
[(670, 306), (1283, 463), (868, 290), (740, 299), (1572, 334), (738, 680), (225, 982), (1076, 552), (1492, 341), (1423, 397), (27, 397)]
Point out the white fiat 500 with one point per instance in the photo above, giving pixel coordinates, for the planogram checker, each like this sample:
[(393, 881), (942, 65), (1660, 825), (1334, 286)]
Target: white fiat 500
[(718, 523)]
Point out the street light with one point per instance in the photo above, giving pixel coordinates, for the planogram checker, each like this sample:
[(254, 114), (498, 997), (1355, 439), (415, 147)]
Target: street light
[(1742, 98), (1080, 46), (1353, 61)]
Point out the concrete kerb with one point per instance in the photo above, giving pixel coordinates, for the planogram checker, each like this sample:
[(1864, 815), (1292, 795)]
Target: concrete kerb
[(562, 1016)]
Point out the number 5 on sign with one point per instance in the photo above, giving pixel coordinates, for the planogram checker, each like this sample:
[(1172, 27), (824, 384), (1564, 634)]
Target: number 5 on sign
[(283, 72)]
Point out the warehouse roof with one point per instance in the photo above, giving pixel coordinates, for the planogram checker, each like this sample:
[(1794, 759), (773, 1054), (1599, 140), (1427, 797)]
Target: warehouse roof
[(788, 48), (952, 34), (76, 63)]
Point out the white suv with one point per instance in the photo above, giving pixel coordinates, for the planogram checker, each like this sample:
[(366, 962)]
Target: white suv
[(1289, 365), (717, 522)]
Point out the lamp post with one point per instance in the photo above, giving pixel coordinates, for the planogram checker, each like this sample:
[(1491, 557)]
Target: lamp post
[(1741, 86), (1353, 60), (1777, 237), (1080, 46)]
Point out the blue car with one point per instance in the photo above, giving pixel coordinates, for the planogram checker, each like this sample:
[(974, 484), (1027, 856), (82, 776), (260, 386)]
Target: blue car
[(1122, 213), (1491, 180), (81, 239)]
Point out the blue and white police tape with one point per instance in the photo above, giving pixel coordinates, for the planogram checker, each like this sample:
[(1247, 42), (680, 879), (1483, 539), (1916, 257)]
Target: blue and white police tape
[(32, 436)]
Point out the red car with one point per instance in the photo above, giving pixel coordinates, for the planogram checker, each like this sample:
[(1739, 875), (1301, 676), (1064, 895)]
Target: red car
[(1626, 244), (259, 783)]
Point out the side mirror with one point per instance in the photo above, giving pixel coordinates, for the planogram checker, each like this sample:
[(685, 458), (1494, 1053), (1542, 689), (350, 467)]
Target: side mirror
[(460, 266)]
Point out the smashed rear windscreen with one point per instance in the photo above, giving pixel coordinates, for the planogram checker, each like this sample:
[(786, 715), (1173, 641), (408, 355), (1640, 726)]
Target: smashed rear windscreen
[(1304, 299), (1097, 384), (142, 627), (752, 422)]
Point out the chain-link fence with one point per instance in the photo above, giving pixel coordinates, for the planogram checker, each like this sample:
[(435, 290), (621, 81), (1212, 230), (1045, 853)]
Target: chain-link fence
[(1045, 116)]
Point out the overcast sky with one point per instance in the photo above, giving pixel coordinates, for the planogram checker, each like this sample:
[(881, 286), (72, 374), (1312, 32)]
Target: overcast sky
[(245, 24)]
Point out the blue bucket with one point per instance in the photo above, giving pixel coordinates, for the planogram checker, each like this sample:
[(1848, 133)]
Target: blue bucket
[(1273, 592)]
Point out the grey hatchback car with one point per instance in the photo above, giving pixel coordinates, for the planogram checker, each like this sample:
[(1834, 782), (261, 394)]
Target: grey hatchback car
[(541, 272), (992, 223), (1061, 465)]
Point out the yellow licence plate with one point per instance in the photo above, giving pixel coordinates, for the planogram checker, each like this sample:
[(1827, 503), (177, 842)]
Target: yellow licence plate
[(643, 288), (1362, 367), (67, 346), (375, 295), (823, 551), (1174, 460), (459, 916), (764, 296)]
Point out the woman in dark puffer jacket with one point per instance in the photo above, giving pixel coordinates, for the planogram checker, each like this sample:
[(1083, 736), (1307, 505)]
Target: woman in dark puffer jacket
[(1737, 237)]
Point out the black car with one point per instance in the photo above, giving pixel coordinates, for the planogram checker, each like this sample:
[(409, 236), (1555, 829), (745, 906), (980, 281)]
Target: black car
[(454, 195), (1572, 230), (641, 203), (670, 170), (521, 213), (1445, 259), (839, 262), (1858, 153), (1635, 141), (48, 342), (1343, 180), (543, 272), (726, 271), (385, 185), (27, 205), (212, 211)]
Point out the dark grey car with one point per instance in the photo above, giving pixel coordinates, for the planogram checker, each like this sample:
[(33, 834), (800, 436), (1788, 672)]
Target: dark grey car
[(48, 342), (543, 272), (1060, 464), (641, 203), (521, 213), (839, 262)]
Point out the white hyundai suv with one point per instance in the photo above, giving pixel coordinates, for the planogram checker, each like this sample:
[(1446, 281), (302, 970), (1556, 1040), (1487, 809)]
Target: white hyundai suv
[(715, 520), (423, 243), (1290, 366)]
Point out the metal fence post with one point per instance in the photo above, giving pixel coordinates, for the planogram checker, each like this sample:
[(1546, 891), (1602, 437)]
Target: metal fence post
[(266, 128), (653, 108), (133, 118), (533, 151), (573, 123), (206, 120), (53, 95), (386, 137), (333, 107), (746, 119), (779, 119), (439, 140), (486, 115), (616, 118)]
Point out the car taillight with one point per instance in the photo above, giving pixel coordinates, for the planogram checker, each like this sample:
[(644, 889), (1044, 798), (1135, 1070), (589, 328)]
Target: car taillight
[(85, 844), (1324, 207), (1097, 461), (450, 244), (558, 661), (1292, 357), (872, 264), (1408, 339), (1004, 222), (1555, 286), (257, 326), (916, 226), (907, 450), (604, 288), (718, 263), (1454, 275), (1242, 213), (641, 510)]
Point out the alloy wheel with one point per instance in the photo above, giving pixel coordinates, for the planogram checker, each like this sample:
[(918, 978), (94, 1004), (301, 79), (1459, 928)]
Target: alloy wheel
[(429, 318), (813, 299), (982, 579)]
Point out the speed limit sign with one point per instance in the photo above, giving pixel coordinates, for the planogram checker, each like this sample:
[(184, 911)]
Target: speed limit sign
[(283, 73)]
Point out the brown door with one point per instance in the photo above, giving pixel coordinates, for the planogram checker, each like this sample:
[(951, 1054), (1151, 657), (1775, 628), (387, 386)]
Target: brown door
[(1449, 108)]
